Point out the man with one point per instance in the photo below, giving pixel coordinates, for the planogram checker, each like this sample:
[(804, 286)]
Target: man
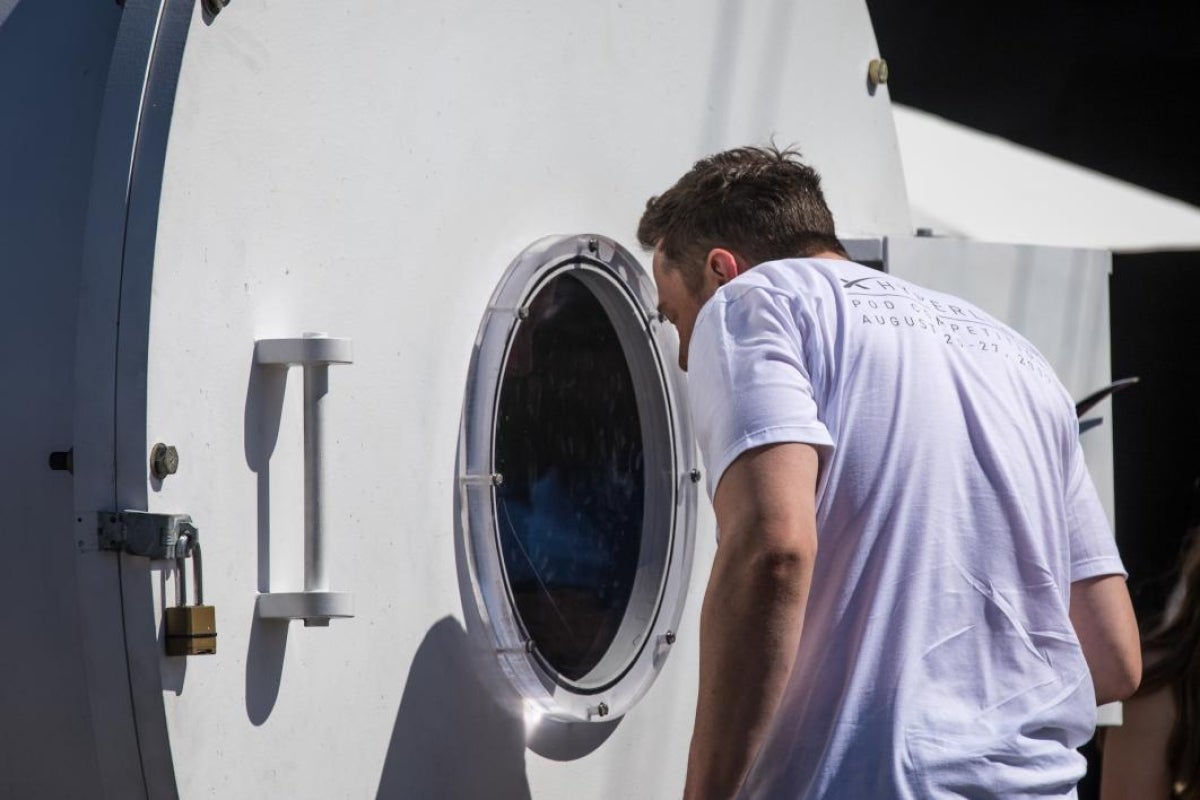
[(916, 592)]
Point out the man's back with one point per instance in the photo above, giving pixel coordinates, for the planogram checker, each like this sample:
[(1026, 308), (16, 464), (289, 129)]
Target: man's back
[(954, 511)]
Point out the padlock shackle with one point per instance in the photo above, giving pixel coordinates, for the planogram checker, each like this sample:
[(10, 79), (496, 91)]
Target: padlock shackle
[(181, 548), (198, 568), (189, 545)]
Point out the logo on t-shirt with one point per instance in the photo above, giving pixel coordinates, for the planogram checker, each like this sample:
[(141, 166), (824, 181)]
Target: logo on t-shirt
[(889, 303)]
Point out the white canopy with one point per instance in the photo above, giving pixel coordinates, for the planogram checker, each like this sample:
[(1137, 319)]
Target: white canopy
[(965, 183)]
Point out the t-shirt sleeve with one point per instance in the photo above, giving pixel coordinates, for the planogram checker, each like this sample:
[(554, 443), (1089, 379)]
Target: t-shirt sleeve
[(1093, 547), (748, 383)]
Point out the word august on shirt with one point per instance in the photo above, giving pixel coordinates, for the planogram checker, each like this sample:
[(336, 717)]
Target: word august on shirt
[(898, 306)]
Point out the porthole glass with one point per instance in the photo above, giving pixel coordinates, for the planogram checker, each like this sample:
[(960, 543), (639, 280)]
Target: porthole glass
[(576, 489), (569, 446)]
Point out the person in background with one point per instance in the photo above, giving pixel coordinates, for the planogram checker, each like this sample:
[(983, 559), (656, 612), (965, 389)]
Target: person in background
[(1155, 753), (916, 592)]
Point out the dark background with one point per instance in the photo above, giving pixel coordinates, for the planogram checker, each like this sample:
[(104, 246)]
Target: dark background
[(1114, 87)]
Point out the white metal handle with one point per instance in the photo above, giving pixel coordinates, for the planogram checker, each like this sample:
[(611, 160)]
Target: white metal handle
[(315, 352)]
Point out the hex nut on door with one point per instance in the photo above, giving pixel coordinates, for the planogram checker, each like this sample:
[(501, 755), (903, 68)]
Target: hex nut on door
[(164, 460)]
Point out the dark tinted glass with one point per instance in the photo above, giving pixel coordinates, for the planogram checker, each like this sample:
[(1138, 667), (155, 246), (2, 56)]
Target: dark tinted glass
[(569, 445)]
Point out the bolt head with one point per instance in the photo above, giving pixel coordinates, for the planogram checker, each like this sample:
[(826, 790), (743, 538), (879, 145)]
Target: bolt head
[(694, 475), (164, 461), (669, 638), (602, 710), (877, 72)]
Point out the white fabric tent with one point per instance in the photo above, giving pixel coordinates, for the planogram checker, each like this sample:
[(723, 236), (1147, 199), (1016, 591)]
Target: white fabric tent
[(965, 183)]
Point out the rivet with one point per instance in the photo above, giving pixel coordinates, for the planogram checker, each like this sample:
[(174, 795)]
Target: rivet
[(694, 475), (602, 710), (877, 72), (594, 245)]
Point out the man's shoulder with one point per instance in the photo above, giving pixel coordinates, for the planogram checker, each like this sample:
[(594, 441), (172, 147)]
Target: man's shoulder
[(808, 269), (791, 277)]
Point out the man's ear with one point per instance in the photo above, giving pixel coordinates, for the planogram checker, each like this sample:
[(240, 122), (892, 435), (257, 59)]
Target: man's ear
[(722, 265)]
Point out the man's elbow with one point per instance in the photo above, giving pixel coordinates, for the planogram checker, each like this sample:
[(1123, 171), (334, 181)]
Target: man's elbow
[(1102, 615), (785, 571), (1120, 677)]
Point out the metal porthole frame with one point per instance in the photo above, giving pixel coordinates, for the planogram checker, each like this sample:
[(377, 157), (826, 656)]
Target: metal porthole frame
[(647, 631)]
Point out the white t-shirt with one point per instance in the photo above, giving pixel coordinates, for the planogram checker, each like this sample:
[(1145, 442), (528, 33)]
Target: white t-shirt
[(954, 510)]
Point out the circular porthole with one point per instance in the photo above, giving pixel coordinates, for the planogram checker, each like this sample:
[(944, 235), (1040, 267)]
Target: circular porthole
[(576, 488)]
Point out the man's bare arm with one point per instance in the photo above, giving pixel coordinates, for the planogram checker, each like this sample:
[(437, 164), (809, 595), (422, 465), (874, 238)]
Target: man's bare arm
[(1107, 629), (753, 610)]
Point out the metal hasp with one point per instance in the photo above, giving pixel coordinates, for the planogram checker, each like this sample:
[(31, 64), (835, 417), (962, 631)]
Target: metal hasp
[(316, 605), (141, 533)]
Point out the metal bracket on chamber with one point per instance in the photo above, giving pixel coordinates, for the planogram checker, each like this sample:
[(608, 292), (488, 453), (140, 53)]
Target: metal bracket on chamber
[(141, 533), (316, 605)]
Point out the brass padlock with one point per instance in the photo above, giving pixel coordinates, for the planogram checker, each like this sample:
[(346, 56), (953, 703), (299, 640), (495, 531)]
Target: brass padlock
[(190, 630)]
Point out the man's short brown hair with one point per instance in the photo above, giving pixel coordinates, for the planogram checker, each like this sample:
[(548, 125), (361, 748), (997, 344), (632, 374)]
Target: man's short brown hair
[(762, 203)]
